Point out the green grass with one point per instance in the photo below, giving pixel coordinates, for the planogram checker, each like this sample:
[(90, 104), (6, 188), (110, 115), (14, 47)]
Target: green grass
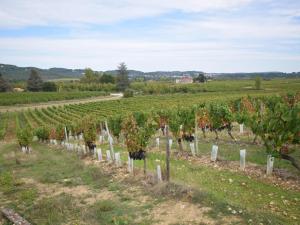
[(244, 193), (114, 212), (253, 198), (210, 188), (3, 124), (56, 167)]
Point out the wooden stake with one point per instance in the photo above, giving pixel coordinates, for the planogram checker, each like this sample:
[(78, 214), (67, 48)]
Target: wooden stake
[(168, 155), (196, 133)]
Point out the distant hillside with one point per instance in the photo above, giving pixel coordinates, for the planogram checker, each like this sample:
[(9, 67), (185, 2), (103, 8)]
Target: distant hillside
[(12, 72), (265, 75)]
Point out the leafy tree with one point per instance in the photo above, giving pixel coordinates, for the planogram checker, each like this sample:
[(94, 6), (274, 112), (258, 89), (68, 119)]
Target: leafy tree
[(89, 76), (34, 82), (107, 78), (200, 78), (122, 78), (257, 82), (49, 86), (4, 85)]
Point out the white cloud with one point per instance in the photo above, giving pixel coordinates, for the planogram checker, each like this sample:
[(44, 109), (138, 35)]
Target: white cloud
[(213, 35), (20, 13), (243, 27), (146, 56)]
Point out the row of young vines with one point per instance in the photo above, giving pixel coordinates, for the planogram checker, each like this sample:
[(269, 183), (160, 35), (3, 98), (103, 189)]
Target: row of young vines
[(275, 120)]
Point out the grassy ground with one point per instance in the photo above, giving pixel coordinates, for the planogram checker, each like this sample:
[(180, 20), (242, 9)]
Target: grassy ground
[(260, 198), (226, 193), (51, 186)]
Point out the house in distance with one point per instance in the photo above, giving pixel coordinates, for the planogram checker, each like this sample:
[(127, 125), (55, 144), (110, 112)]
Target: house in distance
[(184, 80)]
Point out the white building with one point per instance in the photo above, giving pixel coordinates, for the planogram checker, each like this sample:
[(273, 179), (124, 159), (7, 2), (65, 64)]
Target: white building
[(184, 80)]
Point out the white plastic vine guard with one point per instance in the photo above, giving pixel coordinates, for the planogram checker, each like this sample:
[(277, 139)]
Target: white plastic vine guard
[(214, 153), (242, 159)]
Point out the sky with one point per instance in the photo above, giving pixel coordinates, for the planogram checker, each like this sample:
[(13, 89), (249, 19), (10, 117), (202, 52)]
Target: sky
[(152, 35)]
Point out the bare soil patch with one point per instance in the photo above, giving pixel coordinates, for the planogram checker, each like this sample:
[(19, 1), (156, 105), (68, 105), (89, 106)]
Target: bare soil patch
[(82, 192)]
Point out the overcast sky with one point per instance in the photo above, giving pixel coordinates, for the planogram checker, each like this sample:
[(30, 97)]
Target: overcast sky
[(150, 35)]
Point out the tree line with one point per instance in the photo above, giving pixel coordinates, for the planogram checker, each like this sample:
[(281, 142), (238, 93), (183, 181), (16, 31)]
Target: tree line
[(35, 83), (121, 80)]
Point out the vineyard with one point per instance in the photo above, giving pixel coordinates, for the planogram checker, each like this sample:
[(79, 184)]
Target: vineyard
[(69, 114), (79, 90), (275, 85), (7, 99), (232, 147)]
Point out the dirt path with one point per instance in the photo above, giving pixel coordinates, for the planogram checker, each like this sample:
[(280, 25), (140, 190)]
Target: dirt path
[(57, 103)]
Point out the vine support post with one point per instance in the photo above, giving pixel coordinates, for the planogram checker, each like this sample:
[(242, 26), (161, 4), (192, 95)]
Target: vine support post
[(110, 140), (106, 127), (66, 134), (270, 164), (196, 133), (145, 164), (168, 155)]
